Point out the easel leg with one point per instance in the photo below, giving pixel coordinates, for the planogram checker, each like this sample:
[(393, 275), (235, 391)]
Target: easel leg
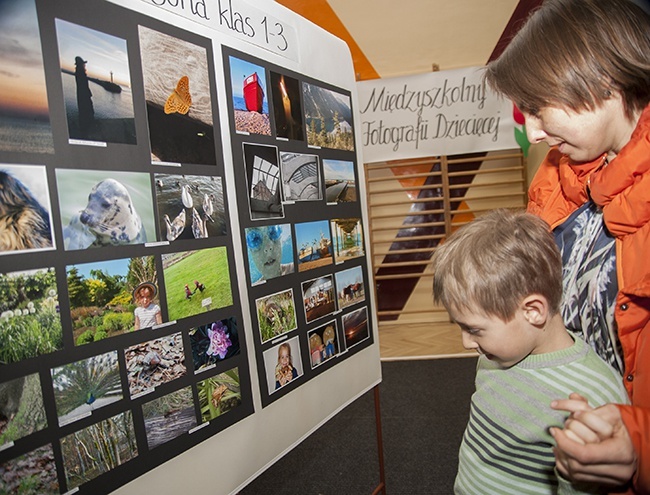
[(381, 488)]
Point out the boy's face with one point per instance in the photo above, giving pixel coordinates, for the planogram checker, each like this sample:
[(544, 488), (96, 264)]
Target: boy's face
[(506, 343)]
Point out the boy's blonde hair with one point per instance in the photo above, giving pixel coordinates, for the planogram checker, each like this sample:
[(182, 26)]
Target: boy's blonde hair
[(494, 262)]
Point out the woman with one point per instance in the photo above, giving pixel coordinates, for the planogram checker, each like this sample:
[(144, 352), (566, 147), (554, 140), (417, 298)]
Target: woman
[(579, 70)]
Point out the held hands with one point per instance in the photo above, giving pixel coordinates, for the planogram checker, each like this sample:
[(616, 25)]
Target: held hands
[(594, 445)]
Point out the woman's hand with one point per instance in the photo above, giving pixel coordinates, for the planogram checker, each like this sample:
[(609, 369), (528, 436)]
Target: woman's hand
[(594, 445)]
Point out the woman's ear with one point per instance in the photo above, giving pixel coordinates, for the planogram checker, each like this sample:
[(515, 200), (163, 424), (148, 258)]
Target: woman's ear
[(535, 309)]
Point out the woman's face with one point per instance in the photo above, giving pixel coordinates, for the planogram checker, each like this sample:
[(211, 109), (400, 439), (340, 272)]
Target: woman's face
[(585, 135)]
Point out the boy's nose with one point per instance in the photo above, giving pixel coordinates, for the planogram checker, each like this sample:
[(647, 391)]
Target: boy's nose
[(468, 342)]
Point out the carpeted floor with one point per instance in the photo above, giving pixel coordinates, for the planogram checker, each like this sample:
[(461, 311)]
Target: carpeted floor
[(424, 409)]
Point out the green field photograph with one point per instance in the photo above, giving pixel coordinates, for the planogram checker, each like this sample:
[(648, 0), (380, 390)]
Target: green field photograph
[(196, 282)]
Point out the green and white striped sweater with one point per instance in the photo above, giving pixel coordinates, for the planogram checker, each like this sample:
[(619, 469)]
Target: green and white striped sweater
[(507, 447)]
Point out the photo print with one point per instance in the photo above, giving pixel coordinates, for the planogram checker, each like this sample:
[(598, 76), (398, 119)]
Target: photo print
[(96, 84), (319, 297), (300, 177), (283, 364), (21, 408), (270, 252), (85, 386), (340, 183), (263, 179), (213, 343), (30, 323), (350, 288), (190, 206), (35, 469), (219, 394), (276, 314), (153, 363), (287, 109), (25, 208), (96, 450), (355, 327), (24, 111), (179, 103), (113, 297), (314, 245), (196, 282), (100, 208), (249, 97), (168, 417), (323, 343), (348, 239), (328, 118)]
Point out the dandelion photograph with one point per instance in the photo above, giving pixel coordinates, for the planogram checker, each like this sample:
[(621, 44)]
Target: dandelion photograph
[(154, 362), (177, 92), (30, 324), (168, 417), (98, 449), (25, 209), (96, 84), (21, 409), (24, 110), (196, 281), (103, 297), (219, 394), (213, 343), (276, 314), (30, 473), (86, 385)]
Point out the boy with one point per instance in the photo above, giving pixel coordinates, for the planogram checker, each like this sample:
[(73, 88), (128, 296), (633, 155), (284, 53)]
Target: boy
[(500, 279)]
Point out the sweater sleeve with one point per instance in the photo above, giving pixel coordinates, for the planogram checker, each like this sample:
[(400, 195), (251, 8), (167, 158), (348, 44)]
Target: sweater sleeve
[(637, 422)]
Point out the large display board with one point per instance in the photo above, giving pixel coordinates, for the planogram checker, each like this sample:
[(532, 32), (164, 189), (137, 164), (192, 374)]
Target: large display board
[(184, 280)]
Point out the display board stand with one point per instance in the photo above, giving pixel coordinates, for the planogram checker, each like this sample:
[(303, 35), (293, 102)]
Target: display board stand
[(381, 487), (171, 146)]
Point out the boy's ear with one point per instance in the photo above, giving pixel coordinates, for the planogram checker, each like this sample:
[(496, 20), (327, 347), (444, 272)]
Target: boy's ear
[(535, 308)]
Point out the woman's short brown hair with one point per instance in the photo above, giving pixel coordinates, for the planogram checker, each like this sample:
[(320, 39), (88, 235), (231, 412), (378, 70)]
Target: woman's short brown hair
[(491, 264), (574, 54)]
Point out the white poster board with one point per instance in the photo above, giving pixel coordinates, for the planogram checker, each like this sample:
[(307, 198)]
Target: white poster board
[(438, 113), (238, 454)]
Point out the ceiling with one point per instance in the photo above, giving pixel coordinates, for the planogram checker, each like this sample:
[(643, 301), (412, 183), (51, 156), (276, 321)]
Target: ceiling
[(389, 38)]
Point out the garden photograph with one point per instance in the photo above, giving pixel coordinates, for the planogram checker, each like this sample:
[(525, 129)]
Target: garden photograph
[(102, 302), (276, 314), (30, 324), (214, 342), (21, 408)]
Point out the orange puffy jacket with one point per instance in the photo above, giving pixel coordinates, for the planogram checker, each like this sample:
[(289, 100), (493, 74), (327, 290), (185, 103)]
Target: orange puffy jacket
[(622, 190)]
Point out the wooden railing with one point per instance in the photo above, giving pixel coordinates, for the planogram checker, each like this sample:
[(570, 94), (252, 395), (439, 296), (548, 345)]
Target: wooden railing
[(415, 204)]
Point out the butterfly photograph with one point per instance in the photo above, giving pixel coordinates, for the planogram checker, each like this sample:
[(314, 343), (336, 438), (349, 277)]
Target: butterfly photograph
[(179, 99)]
